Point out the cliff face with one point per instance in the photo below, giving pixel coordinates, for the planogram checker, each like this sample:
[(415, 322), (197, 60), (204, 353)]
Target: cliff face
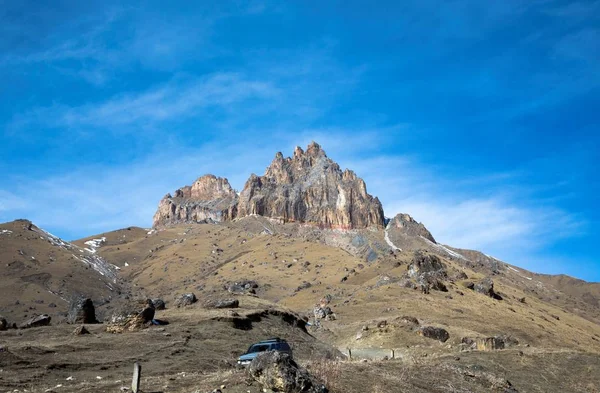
[(209, 198), (308, 188)]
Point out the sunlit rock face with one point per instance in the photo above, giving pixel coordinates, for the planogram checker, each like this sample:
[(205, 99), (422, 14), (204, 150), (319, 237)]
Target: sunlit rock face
[(209, 198), (310, 188)]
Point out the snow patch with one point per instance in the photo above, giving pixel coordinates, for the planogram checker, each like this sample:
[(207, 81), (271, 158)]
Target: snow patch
[(388, 240), (445, 249), (5, 232), (95, 244), (513, 269)]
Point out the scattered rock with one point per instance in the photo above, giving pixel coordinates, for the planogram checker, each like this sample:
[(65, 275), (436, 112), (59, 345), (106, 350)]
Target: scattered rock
[(321, 312), (159, 304), (407, 283), (489, 343), (408, 320), (434, 333), (185, 300), (80, 330), (131, 318), (3, 323), (486, 287), (147, 314), (245, 286), (81, 310), (40, 320), (386, 280), (429, 271), (423, 262), (304, 285), (223, 303), (468, 284), (278, 372)]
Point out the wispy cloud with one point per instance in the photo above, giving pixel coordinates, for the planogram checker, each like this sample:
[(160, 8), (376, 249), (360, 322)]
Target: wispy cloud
[(176, 100)]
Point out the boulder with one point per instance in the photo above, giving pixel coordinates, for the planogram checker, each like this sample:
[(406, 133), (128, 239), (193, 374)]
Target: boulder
[(159, 304), (80, 331), (278, 372), (434, 333), (494, 343), (486, 287), (468, 284), (223, 303), (245, 286), (147, 314), (131, 317), (3, 323), (40, 320), (429, 271), (185, 300), (81, 310), (321, 312), (423, 262)]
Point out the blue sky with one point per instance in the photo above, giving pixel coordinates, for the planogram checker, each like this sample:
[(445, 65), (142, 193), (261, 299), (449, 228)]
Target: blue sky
[(478, 118)]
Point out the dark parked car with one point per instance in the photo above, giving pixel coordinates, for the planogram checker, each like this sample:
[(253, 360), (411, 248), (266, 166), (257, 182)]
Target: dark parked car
[(272, 344)]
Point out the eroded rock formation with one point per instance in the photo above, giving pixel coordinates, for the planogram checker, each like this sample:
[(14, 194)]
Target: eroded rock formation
[(310, 187), (306, 188), (209, 198), (405, 224)]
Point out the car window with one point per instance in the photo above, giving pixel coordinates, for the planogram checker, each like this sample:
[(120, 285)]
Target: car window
[(258, 348), (284, 347)]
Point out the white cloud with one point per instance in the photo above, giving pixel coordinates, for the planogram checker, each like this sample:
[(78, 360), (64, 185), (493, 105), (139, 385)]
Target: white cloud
[(176, 100)]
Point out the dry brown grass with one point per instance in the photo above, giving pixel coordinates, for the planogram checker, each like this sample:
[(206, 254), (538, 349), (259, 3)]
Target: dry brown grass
[(328, 371)]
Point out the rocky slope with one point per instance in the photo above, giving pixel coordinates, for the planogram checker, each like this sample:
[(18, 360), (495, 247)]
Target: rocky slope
[(41, 273), (306, 188)]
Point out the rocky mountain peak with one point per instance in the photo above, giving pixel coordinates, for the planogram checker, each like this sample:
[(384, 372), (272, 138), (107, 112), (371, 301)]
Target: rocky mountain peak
[(307, 188), (311, 188), (407, 225), (208, 198)]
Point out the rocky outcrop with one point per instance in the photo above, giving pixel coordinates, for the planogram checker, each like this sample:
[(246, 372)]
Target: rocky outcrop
[(406, 225), (223, 303), (184, 300), (81, 310), (278, 372), (209, 198), (131, 317), (40, 320), (434, 333), (311, 188), (428, 270), (306, 188)]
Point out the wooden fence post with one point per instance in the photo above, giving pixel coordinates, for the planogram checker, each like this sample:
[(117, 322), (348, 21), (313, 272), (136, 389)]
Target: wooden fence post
[(349, 354), (137, 374), (392, 354)]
